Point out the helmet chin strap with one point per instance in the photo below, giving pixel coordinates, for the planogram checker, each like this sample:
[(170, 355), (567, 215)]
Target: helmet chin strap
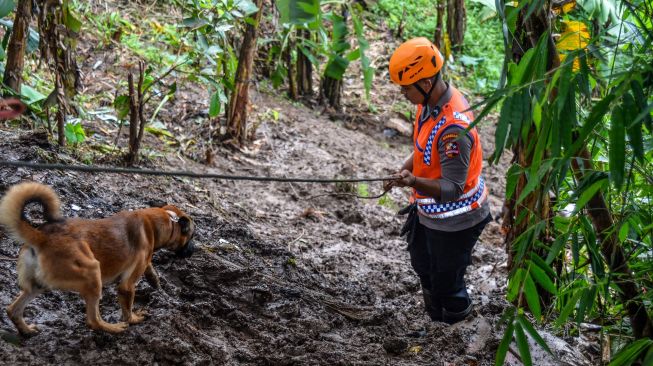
[(426, 95)]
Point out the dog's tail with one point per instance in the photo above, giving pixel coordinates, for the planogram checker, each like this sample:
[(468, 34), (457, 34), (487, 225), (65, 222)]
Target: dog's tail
[(12, 209)]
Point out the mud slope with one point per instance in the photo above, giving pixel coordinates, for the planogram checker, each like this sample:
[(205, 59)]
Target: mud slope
[(280, 277)]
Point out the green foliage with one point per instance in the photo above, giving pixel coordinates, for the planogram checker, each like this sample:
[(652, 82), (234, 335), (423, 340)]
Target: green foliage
[(331, 43), (363, 189), (642, 348), (479, 66), (301, 13), (74, 133), (6, 7), (598, 101)]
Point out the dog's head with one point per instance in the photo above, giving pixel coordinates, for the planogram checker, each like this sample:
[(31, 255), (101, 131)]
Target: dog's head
[(183, 230)]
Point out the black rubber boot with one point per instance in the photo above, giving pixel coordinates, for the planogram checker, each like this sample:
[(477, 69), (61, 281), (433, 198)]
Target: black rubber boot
[(433, 308), (451, 317), (456, 307)]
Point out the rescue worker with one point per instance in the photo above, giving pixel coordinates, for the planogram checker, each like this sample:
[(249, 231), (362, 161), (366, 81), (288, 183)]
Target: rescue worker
[(449, 206)]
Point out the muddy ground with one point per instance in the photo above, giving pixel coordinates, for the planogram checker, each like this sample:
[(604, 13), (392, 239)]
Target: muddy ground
[(284, 274), (279, 278)]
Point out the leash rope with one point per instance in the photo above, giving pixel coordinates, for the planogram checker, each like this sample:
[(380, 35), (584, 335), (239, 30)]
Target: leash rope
[(181, 173)]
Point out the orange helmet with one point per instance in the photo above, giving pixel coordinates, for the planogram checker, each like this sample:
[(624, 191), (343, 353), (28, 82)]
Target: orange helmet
[(414, 60)]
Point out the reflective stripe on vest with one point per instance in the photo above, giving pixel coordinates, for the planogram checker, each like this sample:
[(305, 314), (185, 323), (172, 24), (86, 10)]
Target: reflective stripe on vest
[(469, 201)]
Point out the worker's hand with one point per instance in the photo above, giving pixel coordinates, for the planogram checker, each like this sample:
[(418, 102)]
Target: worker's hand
[(402, 179)]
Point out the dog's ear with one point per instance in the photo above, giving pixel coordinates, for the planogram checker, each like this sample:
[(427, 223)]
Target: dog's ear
[(157, 203), (185, 224)]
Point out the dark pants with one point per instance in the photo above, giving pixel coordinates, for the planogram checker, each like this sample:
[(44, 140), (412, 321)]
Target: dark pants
[(440, 259)]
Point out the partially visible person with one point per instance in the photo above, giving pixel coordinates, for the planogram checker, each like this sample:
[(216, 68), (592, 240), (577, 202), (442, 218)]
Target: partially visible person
[(449, 206), (11, 108)]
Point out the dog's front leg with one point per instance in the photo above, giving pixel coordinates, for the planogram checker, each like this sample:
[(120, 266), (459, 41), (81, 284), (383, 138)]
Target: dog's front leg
[(91, 291), (152, 277), (126, 292)]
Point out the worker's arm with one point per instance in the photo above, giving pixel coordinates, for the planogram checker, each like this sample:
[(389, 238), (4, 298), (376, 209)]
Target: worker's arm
[(454, 154)]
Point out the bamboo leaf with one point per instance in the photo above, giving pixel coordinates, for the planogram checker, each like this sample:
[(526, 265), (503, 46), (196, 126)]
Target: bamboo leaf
[(502, 351), (568, 308), (514, 284), (531, 330), (512, 178), (617, 149), (518, 72), (586, 302), (568, 120), (555, 137), (623, 231), (535, 180), (501, 133), (632, 352), (532, 297), (575, 248), (70, 20), (489, 103), (648, 359), (586, 194), (309, 55), (522, 344), (640, 100), (518, 113), (583, 76), (557, 246), (634, 130), (542, 278), (599, 110)]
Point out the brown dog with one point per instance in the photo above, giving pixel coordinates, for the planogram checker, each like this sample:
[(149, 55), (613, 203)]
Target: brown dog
[(82, 255)]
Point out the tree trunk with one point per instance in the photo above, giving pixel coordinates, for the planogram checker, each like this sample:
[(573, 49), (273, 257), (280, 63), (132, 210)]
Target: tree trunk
[(456, 20), (290, 66), (237, 116), (60, 115), (304, 70), (439, 23), (331, 91), (136, 116), (13, 77), (330, 88), (613, 253)]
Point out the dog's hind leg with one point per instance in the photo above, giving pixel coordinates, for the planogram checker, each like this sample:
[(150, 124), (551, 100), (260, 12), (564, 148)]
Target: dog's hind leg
[(16, 309), (92, 292), (126, 291)]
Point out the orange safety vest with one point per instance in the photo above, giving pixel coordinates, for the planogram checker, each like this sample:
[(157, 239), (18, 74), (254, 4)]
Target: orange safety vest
[(426, 159)]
